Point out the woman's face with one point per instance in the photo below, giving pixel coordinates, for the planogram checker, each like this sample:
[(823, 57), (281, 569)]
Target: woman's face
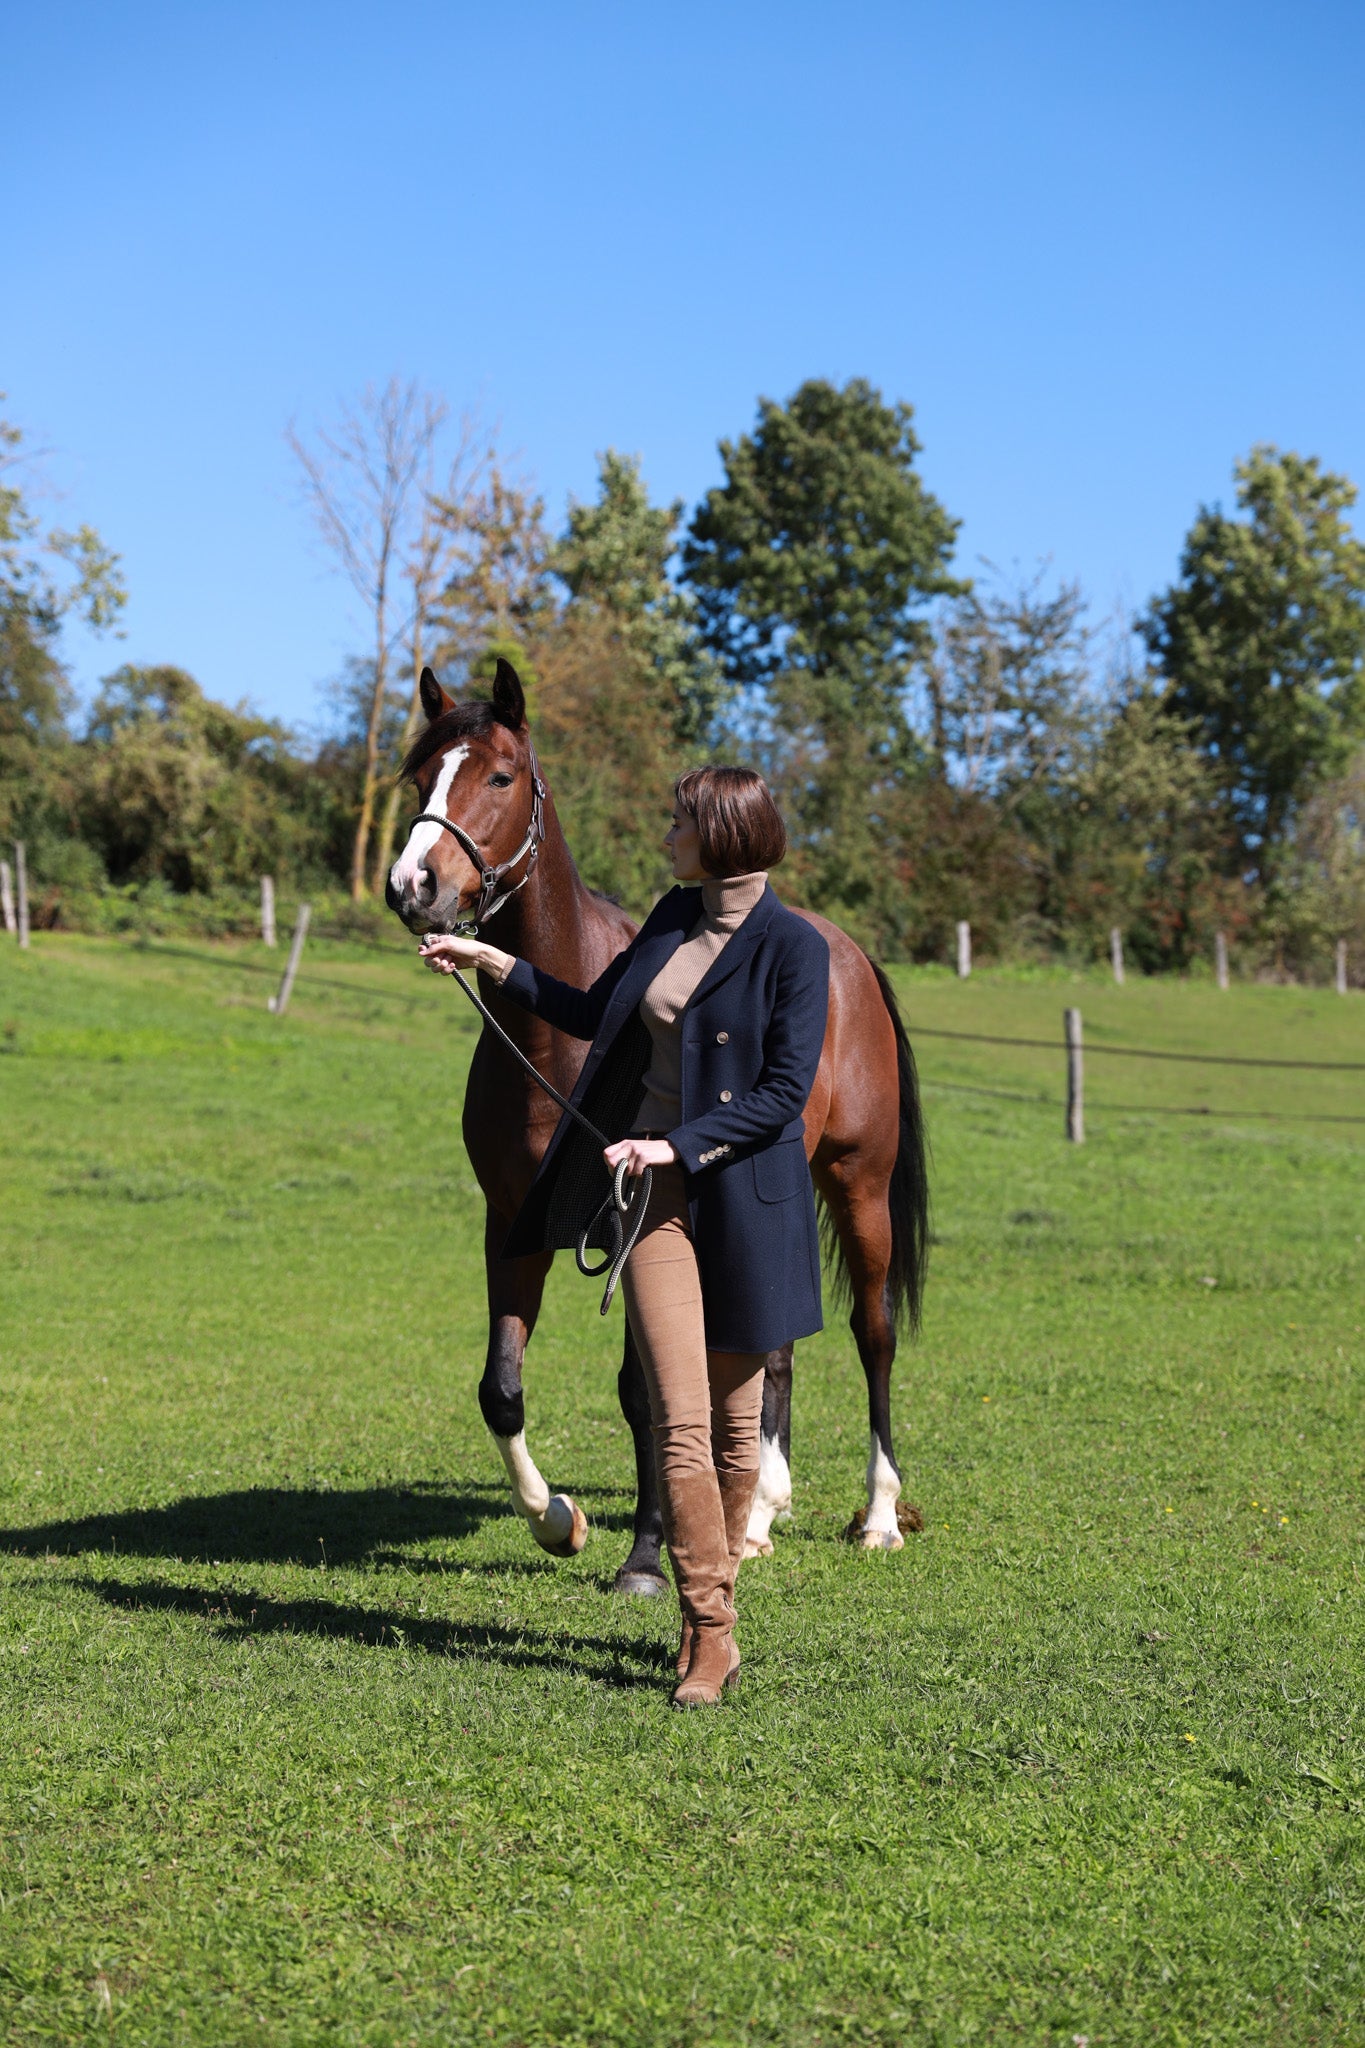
[(684, 847)]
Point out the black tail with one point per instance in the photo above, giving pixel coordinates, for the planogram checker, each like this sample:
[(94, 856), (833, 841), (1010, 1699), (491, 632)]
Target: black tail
[(908, 1195)]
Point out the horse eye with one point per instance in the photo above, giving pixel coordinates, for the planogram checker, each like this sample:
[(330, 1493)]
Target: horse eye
[(501, 781)]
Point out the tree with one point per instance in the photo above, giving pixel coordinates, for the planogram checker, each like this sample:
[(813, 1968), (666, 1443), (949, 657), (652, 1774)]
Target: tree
[(614, 558), (429, 562), (1007, 677), (497, 599), (812, 564), (1262, 641), (363, 483), (1141, 842), (46, 576), (177, 787), (812, 560)]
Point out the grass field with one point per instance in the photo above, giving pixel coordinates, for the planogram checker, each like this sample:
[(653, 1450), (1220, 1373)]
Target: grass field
[(302, 1741)]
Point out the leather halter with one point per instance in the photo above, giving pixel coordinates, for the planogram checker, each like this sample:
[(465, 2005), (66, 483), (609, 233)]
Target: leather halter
[(490, 879)]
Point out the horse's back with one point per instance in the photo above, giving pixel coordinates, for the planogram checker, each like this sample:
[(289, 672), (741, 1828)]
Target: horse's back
[(854, 1105)]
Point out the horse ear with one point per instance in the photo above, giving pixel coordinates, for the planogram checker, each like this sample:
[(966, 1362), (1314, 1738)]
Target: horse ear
[(435, 700), (509, 699)]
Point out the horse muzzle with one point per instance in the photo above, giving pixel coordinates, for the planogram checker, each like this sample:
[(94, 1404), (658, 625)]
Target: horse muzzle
[(423, 903)]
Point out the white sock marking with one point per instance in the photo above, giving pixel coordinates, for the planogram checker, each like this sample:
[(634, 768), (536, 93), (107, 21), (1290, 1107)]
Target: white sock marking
[(883, 1491), (772, 1495), (551, 1515), (422, 838)]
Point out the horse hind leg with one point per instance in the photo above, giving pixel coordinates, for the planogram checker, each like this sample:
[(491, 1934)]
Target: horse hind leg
[(773, 1494), (515, 1287), (864, 1230)]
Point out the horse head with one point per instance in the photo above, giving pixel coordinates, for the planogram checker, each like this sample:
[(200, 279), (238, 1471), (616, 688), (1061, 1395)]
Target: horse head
[(479, 806)]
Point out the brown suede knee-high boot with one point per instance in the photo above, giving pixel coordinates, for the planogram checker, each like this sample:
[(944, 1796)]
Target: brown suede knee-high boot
[(700, 1555), (737, 1490)]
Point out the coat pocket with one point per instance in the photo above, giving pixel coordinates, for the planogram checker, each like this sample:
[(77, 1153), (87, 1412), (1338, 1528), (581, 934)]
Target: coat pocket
[(780, 1171)]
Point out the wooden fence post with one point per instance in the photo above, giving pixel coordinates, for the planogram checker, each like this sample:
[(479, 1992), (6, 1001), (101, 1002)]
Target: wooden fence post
[(1220, 957), (1116, 954), (268, 910), (964, 949), (1075, 1079), (280, 1003), (7, 897), (21, 876), (1341, 967)]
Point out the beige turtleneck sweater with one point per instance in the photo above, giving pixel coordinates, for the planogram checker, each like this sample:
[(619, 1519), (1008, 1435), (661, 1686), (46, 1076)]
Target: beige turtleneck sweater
[(725, 905)]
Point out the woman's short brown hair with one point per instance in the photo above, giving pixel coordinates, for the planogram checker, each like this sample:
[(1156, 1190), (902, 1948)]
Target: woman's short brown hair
[(739, 826)]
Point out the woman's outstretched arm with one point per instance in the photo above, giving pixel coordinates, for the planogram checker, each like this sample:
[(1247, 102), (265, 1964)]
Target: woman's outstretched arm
[(577, 1012)]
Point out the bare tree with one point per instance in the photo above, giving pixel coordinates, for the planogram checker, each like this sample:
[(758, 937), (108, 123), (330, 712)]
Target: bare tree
[(363, 479), (1008, 684), (429, 563)]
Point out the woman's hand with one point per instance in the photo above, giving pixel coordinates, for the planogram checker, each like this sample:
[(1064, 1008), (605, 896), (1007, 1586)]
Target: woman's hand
[(639, 1153), (444, 952)]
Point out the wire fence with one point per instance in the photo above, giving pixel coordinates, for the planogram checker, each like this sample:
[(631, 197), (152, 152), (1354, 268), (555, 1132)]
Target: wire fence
[(1072, 1047)]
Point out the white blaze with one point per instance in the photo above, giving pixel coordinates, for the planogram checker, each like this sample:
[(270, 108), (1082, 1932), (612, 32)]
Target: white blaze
[(405, 870)]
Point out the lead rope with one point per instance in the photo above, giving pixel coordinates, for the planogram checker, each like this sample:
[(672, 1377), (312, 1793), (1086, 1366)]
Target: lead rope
[(624, 1212)]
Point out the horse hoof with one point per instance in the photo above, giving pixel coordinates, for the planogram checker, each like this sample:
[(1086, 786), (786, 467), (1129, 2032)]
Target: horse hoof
[(758, 1546), (642, 1585), (909, 1522), (563, 1528)]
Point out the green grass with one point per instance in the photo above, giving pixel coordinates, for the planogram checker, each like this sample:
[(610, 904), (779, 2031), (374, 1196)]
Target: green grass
[(301, 1740)]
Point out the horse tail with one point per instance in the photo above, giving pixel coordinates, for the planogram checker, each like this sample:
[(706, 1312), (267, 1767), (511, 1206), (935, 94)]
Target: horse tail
[(908, 1194)]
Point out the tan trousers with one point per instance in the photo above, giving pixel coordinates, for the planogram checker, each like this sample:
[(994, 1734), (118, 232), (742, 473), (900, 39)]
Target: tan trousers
[(705, 1406)]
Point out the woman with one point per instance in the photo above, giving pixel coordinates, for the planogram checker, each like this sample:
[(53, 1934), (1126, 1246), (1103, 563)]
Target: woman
[(706, 1036)]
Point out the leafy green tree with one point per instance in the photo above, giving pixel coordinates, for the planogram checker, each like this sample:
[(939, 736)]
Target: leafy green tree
[(813, 561), (614, 557), (1262, 641), (812, 564), (180, 788), (46, 576)]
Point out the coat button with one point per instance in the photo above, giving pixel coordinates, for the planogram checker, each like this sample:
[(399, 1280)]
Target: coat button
[(722, 1038), (725, 1095)]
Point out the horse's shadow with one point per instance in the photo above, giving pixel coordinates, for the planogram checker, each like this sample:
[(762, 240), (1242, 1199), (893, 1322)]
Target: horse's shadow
[(241, 1613), (289, 1525)]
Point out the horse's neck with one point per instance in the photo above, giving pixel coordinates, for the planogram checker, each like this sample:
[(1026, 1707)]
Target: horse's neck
[(554, 922)]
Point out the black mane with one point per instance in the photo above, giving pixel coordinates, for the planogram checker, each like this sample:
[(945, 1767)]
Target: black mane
[(461, 722)]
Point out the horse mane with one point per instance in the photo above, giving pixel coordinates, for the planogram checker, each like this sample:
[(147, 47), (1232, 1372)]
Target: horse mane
[(462, 722)]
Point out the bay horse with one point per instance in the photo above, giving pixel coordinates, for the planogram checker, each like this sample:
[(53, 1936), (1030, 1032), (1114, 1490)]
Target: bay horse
[(487, 843)]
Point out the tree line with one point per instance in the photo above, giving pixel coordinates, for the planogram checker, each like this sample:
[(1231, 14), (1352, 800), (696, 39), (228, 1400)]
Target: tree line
[(945, 745)]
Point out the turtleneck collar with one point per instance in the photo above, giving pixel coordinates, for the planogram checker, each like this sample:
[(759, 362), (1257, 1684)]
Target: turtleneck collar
[(727, 901)]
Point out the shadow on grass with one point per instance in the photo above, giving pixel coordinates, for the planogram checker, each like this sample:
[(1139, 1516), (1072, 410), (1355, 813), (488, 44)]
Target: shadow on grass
[(241, 1614), (282, 1525)]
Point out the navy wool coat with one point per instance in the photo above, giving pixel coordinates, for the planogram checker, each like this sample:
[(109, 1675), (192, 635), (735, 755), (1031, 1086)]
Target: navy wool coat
[(751, 1040)]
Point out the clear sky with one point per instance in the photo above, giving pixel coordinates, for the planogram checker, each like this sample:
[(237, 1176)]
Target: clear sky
[(1101, 248)]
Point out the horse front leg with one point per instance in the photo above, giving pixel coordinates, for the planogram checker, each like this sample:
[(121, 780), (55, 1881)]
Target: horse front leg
[(515, 1287), (641, 1573), (773, 1494)]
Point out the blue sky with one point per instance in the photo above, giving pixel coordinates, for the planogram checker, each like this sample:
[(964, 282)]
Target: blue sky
[(1102, 249)]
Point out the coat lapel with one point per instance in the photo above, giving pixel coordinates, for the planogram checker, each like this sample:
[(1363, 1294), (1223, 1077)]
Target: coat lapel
[(649, 959), (738, 948)]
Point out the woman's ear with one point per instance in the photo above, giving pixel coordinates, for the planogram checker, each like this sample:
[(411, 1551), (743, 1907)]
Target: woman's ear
[(435, 700), (509, 699)]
